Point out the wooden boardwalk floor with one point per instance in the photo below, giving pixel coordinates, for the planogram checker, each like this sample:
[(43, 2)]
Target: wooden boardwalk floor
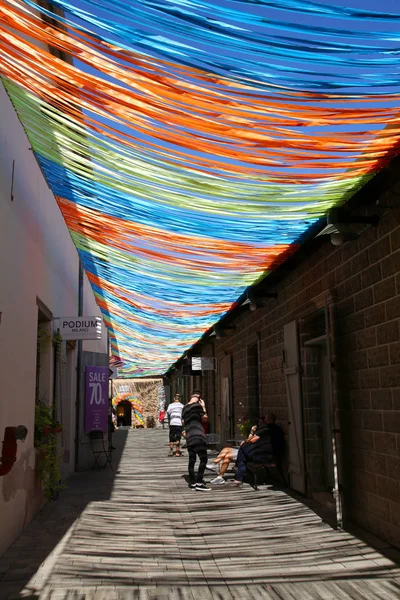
[(142, 534)]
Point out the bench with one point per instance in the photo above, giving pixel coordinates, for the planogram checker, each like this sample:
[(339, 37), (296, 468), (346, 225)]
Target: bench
[(264, 468), (99, 449)]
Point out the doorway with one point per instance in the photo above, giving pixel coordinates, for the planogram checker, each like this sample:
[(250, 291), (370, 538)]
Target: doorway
[(253, 392), (318, 410), (124, 414), (226, 407), (291, 371)]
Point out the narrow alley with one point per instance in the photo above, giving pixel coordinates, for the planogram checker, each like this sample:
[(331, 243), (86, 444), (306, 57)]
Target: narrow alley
[(139, 532)]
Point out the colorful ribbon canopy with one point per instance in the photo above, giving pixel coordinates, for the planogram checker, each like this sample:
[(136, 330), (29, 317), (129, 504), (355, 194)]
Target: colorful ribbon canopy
[(190, 143)]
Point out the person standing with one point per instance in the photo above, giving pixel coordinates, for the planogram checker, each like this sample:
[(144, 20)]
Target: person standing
[(174, 414), (161, 418), (194, 415)]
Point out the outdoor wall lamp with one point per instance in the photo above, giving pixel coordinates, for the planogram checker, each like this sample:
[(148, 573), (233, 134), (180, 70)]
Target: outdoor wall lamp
[(338, 225), (219, 331), (9, 451), (255, 300)]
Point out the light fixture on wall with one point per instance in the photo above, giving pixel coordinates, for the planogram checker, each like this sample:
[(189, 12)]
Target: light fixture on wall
[(338, 222), (255, 299), (219, 330)]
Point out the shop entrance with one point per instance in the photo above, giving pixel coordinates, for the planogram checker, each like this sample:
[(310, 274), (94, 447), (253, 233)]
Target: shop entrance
[(124, 414)]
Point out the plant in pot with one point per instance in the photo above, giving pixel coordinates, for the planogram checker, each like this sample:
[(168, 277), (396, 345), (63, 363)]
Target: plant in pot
[(244, 425), (46, 430)]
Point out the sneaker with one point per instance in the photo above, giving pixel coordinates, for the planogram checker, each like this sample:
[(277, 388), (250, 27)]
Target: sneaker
[(202, 488), (171, 453), (218, 480), (178, 454), (192, 486), (211, 467), (237, 483)]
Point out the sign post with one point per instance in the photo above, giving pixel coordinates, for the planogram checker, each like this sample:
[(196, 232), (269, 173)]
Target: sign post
[(96, 399)]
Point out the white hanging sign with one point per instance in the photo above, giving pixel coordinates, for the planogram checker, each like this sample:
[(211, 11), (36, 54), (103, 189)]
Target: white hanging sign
[(203, 363), (79, 328)]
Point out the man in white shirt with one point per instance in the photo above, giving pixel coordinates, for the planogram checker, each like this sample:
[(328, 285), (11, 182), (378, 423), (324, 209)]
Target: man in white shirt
[(174, 413)]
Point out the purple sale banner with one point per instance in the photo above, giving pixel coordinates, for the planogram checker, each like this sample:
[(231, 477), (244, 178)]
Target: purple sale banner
[(96, 399)]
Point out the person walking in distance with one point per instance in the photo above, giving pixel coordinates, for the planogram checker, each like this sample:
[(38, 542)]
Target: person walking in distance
[(194, 415), (174, 414)]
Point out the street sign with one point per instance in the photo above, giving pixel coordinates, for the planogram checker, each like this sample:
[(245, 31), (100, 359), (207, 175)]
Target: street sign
[(79, 328), (112, 373)]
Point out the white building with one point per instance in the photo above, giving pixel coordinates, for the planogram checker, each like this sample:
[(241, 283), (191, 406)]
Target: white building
[(39, 280)]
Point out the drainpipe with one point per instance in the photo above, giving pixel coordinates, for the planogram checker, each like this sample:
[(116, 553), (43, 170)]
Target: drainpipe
[(78, 368), (333, 409)]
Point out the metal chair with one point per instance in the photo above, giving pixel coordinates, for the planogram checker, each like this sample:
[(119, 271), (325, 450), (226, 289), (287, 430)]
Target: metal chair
[(99, 449), (266, 467)]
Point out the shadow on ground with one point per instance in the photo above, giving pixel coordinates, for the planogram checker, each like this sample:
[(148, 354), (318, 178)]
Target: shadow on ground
[(42, 536), (143, 534)]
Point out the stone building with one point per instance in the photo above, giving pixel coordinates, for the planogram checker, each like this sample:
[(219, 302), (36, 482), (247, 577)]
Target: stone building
[(137, 400), (318, 343)]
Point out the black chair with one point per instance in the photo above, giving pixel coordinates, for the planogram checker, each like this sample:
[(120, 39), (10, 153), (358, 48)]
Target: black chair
[(263, 464), (258, 471), (100, 449)]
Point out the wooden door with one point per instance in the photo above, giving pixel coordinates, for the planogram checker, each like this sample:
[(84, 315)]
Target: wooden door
[(293, 390), (226, 414)]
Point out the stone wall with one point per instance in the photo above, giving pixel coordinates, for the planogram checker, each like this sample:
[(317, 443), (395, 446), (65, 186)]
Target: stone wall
[(144, 390), (361, 282)]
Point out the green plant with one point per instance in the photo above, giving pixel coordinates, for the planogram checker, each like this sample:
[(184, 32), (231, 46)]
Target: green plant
[(46, 430), (244, 425)]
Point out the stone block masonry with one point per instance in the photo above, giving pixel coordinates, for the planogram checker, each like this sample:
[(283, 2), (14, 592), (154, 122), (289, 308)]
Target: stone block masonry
[(145, 391)]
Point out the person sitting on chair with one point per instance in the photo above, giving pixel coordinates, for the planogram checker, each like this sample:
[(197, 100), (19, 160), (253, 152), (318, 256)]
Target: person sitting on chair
[(264, 446), (226, 456)]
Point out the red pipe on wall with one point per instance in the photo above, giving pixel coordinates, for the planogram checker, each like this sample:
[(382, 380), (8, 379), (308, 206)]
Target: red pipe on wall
[(9, 452)]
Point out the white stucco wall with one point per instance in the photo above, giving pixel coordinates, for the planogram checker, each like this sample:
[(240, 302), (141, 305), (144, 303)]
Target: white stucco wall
[(37, 260)]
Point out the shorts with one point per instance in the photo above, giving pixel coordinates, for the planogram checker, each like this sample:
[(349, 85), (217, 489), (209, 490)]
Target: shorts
[(175, 433)]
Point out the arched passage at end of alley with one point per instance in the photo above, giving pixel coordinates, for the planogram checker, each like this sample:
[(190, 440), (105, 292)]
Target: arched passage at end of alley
[(139, 532)]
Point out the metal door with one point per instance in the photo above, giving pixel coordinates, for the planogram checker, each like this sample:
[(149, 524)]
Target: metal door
[(293, 389)]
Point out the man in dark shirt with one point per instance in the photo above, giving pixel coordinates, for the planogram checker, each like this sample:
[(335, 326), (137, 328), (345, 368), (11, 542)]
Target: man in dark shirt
[(265, 445), (193, 416)]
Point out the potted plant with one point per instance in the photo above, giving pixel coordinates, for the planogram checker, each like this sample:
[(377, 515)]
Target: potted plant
[(46, 430), (244, 425)]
